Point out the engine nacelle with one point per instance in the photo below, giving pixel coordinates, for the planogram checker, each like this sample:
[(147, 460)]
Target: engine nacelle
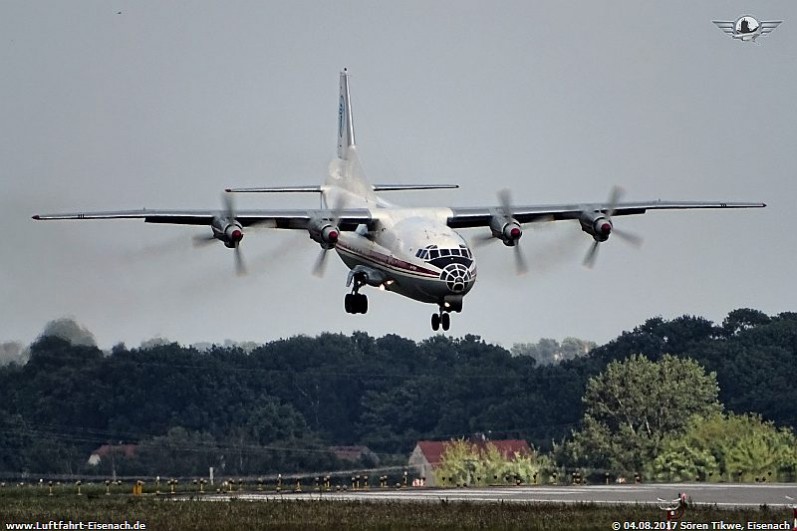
[(229, 232), (597, 225), (324, 232), (506, 229)]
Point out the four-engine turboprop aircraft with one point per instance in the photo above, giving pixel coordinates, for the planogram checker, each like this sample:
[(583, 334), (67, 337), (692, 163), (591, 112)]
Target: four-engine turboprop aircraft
[(415, 252)]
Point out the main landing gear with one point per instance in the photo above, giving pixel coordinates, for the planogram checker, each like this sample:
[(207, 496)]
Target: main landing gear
[(441, 319), (356, 302)]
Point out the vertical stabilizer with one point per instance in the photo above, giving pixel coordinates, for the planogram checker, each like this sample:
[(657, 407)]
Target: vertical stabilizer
[(345, 172), (345, 120)]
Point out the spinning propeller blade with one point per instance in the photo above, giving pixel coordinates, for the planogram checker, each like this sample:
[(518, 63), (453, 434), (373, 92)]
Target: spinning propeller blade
[(629, 237), (320, 264)]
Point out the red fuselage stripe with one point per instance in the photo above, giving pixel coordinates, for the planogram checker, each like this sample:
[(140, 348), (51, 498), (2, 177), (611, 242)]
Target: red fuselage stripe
[(390, 262)]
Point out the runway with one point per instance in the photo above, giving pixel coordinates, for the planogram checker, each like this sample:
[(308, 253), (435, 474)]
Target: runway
[(722, 495)]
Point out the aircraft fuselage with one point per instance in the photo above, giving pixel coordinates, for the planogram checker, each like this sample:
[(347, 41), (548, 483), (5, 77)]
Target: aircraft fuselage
[(414, 253)]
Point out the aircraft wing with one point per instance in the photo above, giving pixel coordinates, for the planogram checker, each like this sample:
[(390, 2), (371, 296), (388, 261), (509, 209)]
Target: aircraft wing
[(481, 216), (348, 219)]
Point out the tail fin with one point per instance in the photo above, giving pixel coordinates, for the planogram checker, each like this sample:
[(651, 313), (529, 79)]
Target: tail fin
[(345, 172), (345, 119)]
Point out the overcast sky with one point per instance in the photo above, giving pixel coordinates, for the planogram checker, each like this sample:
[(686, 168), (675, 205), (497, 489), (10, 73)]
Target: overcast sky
[(168, 103)]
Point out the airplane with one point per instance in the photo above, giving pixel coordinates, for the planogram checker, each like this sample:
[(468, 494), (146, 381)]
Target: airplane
[(418, 253), (747, 28)]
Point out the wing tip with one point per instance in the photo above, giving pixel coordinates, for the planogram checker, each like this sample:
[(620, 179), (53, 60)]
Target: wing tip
[(36, 216)]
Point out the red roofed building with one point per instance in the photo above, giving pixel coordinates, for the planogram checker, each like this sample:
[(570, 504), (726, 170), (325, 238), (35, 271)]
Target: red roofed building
[(426, 456)]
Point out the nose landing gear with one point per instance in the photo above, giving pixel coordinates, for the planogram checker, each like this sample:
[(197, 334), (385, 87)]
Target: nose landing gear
[(441, 319)]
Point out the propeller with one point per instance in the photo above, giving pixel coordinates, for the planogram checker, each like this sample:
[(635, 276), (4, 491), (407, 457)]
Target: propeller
[(240, 267), (608, 228), (229, 212), (592, 254), (521, 267), (321, 262), (233, 239), (505, 200), (496, 231)]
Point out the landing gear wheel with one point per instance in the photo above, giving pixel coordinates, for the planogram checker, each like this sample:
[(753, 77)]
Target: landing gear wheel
[(361, 303), (435, 322), (445, 321), (355, 303)]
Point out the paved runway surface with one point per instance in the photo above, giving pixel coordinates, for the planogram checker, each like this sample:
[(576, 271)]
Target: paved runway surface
[(723, 495)]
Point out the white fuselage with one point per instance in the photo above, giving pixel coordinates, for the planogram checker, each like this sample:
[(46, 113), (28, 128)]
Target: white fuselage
[(418, 255)]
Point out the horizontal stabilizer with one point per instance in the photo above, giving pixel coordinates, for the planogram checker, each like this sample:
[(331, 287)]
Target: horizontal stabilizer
[(400, 187), (318, 189), (276, 189)]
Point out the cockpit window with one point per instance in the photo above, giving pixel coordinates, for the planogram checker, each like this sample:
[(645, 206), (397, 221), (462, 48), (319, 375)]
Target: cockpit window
[(431, 253)]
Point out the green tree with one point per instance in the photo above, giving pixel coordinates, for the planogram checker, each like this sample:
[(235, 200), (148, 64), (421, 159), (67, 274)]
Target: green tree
[(549, 351), (69, 330), (13, 352), (728, 447), (271, 421), (467, 463), (680, 461), (179, 452), (743, 319), (457, 464), (14, 439), (633, 405)]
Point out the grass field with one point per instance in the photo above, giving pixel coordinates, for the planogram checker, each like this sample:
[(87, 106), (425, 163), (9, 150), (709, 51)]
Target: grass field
[(30, 505)]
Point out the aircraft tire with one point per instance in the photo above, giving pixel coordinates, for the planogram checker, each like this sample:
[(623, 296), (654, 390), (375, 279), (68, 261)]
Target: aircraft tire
[(435, 322), (445, 321), (347, 303), (362, 303)]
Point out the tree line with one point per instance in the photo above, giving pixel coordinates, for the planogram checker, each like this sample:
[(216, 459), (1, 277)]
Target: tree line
[(277, 407)]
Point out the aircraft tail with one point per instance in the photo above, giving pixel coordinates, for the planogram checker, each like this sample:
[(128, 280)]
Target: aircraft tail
[(345, 118), (346, 172)]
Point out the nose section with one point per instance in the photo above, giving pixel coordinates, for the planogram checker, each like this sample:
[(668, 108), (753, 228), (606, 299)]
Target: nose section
[(457, 277)]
